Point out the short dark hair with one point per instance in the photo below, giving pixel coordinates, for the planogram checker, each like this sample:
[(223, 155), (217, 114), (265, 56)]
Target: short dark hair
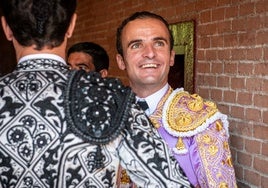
[(38, 22), (99, 55), (140, 15)]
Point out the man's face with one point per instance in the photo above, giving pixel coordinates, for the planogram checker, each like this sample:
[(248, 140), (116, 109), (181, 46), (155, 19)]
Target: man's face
[(147, 57), (81, 60)]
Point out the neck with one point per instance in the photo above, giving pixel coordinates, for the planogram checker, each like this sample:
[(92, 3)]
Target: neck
[(22, 51), (144, 91)]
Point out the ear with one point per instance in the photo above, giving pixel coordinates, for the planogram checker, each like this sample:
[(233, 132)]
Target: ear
[(172, 58), (6, 28), (120, 62), (104, 73), (70, 30)]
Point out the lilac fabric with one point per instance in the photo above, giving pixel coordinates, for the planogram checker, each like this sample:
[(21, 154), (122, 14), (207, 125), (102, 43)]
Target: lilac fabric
[(204, 155), (189, 161)]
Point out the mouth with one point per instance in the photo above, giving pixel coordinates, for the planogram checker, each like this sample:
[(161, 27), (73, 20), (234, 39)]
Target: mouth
[(149, 65)]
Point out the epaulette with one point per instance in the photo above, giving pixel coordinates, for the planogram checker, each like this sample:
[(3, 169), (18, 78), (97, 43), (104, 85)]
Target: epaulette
[(185, 115), (96, 108)]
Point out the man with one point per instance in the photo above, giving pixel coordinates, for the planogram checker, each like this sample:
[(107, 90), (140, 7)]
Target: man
[(193, 128), (88, 56), (62, 128)]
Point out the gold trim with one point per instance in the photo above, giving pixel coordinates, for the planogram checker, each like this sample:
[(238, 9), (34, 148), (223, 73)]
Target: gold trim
[(157, 116), (187, 112)]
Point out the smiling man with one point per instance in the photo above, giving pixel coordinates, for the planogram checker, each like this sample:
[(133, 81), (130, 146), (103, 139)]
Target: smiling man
[(194, 129), (144, 51)]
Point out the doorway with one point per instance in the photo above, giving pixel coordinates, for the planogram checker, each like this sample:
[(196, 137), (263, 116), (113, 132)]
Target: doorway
[(182, 73)]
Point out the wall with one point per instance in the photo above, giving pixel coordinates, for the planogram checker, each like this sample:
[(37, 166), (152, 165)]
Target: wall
[(231, 47), (230, 63)]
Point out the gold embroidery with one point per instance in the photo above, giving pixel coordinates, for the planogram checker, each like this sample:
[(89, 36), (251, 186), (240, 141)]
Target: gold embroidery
[(218, 126), (180, 145), (196, 104), (183, 119), (211, 104), (186, 112), (219, 175), (223, 185), (157, 115), (212, 154), (213, 149), (229, 162), (226, 145), (155, 123), (124, 177), (206, 139)]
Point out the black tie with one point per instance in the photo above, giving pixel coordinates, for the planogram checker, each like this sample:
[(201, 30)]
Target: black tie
[(143, 104)]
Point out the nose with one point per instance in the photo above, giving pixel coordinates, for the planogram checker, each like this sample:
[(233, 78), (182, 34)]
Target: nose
[(149, 52)]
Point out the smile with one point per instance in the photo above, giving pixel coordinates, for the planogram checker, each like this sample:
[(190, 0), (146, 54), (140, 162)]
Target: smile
[(150, 65)]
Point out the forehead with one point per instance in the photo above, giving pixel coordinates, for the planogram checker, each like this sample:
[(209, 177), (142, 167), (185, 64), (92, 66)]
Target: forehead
[(145, 27), (78, 57)]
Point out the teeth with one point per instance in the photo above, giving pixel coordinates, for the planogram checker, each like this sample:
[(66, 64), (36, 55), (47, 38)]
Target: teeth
[(149, 66)]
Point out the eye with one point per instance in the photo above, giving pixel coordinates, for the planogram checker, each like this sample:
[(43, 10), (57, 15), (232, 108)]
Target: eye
[(135, 45), (159, 43), (84, 67)]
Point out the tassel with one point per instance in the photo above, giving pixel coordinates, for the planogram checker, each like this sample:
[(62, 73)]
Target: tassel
[(124, 177), (180, 147), (180, 144)]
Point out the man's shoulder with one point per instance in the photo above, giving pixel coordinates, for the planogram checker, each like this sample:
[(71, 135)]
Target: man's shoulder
[(98, 105), (186, 114)]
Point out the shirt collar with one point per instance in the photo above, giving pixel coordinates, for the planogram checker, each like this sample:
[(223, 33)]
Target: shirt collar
[(43, 56), (153, 100)]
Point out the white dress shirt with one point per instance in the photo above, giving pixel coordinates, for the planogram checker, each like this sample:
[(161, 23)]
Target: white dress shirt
[(153, 100)]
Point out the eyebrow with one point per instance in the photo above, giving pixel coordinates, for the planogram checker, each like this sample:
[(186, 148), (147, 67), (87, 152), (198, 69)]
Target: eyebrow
[(161, 38), (81, 63), (154, 39), (133, 41)]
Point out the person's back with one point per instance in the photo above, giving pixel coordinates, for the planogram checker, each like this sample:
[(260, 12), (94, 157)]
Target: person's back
[(62, 128), (33, 122)]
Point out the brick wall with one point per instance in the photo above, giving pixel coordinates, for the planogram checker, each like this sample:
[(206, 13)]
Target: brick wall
[(230, 64)]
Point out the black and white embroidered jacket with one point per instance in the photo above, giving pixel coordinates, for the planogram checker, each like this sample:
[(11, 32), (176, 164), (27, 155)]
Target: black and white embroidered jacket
[(62, 129)]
